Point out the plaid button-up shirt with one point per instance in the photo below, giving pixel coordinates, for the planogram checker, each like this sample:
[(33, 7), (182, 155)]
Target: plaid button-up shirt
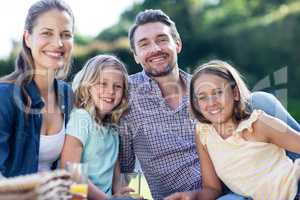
[(161, 138)]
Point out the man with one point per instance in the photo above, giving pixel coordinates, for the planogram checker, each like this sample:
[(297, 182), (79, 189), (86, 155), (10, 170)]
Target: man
[(157, 128)]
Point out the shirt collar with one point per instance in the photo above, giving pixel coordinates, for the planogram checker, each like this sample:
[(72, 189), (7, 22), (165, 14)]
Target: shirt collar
[(183, 75), (36, 98), (147, 86)]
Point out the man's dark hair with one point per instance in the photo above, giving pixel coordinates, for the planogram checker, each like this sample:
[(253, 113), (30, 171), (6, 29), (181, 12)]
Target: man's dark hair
[(151, 16)]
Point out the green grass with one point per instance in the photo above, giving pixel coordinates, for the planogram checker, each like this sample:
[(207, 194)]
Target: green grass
[(144, 188), (145, 191)]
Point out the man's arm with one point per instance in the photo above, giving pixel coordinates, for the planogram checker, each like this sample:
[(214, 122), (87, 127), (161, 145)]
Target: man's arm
[(272, 106)]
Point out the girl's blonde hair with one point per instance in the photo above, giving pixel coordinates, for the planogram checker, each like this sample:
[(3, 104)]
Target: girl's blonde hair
[(226, 71), (89, 75)]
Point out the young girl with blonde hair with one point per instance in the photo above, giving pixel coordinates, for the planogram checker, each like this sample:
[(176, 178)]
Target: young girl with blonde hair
[(100, 99), (244, 148)]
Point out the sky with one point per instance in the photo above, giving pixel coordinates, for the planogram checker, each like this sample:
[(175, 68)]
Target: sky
[(91, 16)]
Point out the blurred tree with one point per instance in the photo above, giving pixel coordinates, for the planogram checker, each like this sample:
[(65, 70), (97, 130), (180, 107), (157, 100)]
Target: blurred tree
[(117, 31), (6, 66), (82, 40), (259, 37)]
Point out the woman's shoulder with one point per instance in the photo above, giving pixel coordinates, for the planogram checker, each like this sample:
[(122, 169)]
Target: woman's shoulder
[(9, 91), (10, 98), (8, 87)]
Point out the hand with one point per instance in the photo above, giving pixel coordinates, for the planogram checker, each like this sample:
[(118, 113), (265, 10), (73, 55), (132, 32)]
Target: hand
[(20, 196), (123, 192), (180, 196)]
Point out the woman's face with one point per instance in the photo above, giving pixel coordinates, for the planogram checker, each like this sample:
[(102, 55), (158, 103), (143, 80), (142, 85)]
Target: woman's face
[(51, 40), (108, 92)]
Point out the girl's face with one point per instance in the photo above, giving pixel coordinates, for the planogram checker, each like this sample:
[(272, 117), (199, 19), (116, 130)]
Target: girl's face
[(108, 92), (51, 40), (215, 98)]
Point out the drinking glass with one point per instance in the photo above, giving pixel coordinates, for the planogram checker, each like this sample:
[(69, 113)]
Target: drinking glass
[(78, 171), (132, 180)]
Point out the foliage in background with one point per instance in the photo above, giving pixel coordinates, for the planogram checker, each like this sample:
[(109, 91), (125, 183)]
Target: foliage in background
[(259, 37)]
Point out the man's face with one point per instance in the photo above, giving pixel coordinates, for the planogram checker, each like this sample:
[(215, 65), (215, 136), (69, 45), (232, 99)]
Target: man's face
[(155, 49)]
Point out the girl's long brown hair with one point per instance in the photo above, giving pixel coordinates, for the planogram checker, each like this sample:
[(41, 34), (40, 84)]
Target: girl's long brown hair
[(227, 72)]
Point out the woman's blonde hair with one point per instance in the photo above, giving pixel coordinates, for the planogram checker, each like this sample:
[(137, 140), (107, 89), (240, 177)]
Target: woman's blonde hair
[(89, 75), (226, 71)]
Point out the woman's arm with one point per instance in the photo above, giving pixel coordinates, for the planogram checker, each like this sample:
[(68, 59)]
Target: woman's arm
[(278, 132), (8, 121), (72, 153)]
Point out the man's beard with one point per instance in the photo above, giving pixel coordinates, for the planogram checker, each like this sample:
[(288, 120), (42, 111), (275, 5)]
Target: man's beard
[(165, 72)]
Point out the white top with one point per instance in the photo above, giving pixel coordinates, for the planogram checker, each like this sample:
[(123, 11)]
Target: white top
[(50, 149)]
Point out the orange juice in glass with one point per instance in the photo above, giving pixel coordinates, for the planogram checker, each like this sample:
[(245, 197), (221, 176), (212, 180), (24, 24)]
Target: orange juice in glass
[(79, 189)]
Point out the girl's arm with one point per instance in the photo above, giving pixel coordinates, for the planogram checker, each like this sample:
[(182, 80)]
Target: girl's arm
[(72, 152), (116, 179), (277, 132), (211, 184), (118, 189)]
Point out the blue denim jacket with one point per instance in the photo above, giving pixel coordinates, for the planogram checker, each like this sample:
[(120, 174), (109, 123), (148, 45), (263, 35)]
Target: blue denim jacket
[(20, 134)]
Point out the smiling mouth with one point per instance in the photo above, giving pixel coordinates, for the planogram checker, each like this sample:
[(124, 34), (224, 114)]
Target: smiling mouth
[(56, 55), (107, 100), (158, 58), (215, 111)]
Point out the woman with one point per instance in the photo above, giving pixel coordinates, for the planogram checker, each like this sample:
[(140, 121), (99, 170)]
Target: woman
[(36, 106)]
